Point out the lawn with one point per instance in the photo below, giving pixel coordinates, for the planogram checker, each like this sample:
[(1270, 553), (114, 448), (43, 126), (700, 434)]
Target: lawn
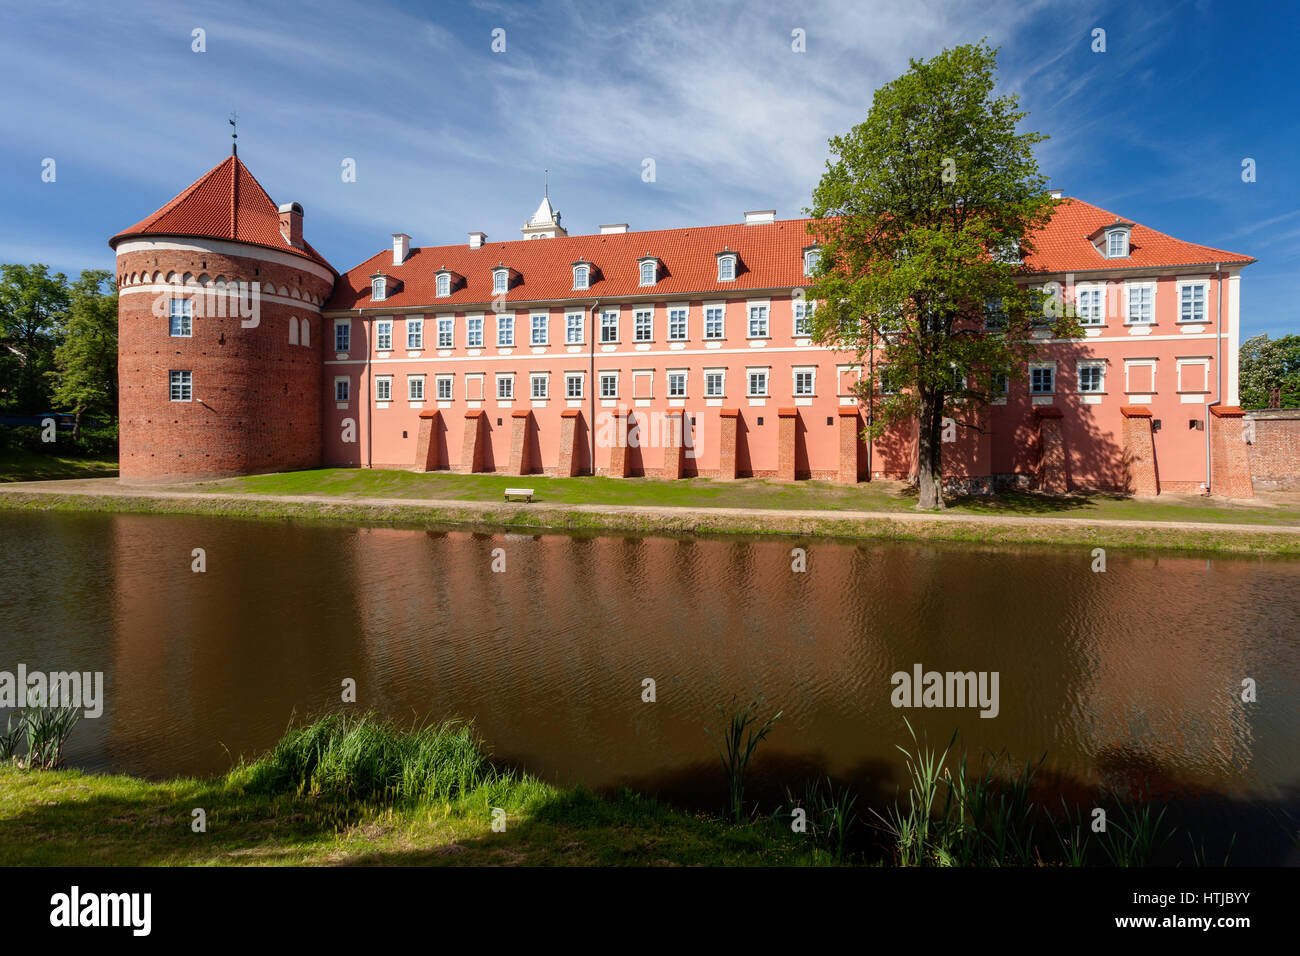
[(19, 464), (758, 494)]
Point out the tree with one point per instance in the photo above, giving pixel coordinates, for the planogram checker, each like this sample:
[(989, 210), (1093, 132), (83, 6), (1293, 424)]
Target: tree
[(1268, 364), (32, 304), (923, 219), (86, 361)]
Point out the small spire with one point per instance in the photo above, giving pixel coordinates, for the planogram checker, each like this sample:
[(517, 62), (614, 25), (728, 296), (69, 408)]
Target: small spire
[(234, 133), (546, 184)]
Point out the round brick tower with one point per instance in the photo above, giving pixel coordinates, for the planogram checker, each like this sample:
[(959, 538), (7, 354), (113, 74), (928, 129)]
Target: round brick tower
[(220, 337)]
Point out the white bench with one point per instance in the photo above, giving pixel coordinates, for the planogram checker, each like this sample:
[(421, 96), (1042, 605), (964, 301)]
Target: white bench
[(515, 493)]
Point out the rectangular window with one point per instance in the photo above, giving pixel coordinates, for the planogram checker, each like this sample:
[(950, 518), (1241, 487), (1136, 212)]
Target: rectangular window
[(1092, 378), (540, 336), (539, 386), (505, 387), (505, 331), (609, 385), (758, 321), (446, 385), (1141, 304), (995, 314), (182, 318), (676, 384), (182, 386), (803, 381), (415, 388), (677, 324), (713, 322), (1191, 302), (887, 384), (573, 328), (713, 384), (384, 389), (802, 317), (573, 385), (446, 332), (1001, 383), (342, 336), (474, 332), (414, 333), (342, 388), (609, 326), (1042, 379), (384, 335), (643, 325), (1090, 306), (757, 382)]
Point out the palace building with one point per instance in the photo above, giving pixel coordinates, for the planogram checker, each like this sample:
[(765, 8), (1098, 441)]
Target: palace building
[(665, 353)]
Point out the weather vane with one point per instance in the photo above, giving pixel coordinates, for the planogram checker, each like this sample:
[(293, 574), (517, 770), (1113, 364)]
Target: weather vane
[(234, 133)]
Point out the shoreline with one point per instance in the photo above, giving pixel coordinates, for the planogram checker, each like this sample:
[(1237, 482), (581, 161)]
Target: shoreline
[(1281, 540)]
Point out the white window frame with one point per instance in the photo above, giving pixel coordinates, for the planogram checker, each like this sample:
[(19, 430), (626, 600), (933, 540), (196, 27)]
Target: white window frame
[(1204, 285), (995, 306), (546, 328), (383, 388), (721, 309), (343, 326), (685, 312), (811, 372), (185, 315), (1129, 289), (765, 320), (729, 261), (605, 377), (180, 385), (569, 379), (721, 375), (533, 379), (1130, 364), (411, 387), (1050, 368), (443, 285), (677, 373), (500, 281), (449, 381), (582, 276), (801, 312), (1090, 289), (810, 259), (508, 378), (1108, 242), (472, 333), (506, 323), (638, 314), (653, 266), (608, 314), (570, 327), (346, 382), (1088, 364), (1180, 364), (383, 335), (415, 332), (766, 372), (378, 289)]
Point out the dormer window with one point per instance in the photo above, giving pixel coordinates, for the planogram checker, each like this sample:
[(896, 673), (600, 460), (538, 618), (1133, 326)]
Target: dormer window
[(1117, 243), (649, 269), (581, 275), (500, 281), (810, 259), (726, 266), (378, 288), (1008, 252), (444, 284)]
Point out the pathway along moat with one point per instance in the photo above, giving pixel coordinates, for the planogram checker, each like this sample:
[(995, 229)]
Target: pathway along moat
[(1129, 678)]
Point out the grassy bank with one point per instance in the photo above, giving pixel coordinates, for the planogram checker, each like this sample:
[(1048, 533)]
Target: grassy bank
[(21, 464), (496, 516)]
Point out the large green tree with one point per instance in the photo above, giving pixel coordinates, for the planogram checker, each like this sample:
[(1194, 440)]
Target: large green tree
[(1268, 364), (923, 218), (85, 379), (32, 306)]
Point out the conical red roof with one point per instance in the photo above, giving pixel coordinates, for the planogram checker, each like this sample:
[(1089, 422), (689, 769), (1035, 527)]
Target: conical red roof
[(226, 202)]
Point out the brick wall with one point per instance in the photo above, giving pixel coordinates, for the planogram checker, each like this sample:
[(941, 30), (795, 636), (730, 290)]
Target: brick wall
[(1274, 448)]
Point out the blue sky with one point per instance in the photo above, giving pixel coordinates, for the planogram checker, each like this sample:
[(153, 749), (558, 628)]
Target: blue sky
[(450, 137)]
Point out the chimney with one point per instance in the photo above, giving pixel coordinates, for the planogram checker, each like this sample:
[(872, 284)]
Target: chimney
[(401, 247), (760, 217), (476, 239), (1057, 194), (613, 228), (291, 224)]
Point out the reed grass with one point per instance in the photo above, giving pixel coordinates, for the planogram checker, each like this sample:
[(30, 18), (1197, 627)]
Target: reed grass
[(741, 738)]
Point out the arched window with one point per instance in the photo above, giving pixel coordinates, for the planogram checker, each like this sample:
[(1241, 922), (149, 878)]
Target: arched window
[(305, 338), (444, 284), (378, 288), (648, 272), (500, 281), (581, 276), (293, 330), (726, 268)]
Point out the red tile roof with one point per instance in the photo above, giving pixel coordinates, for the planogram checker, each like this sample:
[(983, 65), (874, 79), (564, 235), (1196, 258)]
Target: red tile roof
[(226, 202), (770, 258)]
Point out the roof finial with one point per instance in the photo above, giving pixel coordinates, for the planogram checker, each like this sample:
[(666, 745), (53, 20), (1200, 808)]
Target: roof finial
[(546, 184), (234, 133)]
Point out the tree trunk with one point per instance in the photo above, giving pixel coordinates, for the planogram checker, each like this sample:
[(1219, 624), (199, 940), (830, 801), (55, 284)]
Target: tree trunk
[(929, 454), (76, 425)]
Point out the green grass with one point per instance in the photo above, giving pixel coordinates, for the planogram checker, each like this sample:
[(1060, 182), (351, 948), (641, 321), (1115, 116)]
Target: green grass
[(19, 464)]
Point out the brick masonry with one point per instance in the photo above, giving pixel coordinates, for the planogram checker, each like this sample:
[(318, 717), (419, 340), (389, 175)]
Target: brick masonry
[(850, 426), (471, 449), (427, 443), (569, 453), (1229, 453), (1139, 451), (520, 442), (1052, 474), (1274, 448), (729, 420), (787, 437)]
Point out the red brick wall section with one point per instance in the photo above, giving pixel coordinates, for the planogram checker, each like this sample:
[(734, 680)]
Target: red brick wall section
[(675, 451), (568, 466), (1139, 451), (850, 430), (471, 449), (1275, 448), (618, 463), (1229, 453), (256, 398), (1052, 478), (729, 419), (426, 443), (788, 419), (520, 427)]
